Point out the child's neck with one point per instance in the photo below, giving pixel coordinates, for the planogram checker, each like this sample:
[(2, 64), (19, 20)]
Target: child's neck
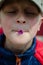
[(9, 46)]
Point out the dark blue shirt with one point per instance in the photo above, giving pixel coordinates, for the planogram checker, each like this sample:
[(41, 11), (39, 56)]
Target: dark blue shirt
[(7, 57)]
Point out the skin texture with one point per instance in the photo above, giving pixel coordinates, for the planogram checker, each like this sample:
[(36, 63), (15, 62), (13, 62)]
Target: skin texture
[(20, 16)]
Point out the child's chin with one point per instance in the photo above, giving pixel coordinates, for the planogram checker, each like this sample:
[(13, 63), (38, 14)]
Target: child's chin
[(20, 39)]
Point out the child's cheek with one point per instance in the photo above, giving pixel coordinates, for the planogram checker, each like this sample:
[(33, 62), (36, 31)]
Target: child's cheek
[(33, 21), (6, 24)]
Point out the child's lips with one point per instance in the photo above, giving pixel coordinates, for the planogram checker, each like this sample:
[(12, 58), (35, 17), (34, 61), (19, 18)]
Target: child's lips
[(19, 31)]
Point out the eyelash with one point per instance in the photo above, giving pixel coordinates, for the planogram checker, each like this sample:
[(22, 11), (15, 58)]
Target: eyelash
[(12, 12), (30, 13)]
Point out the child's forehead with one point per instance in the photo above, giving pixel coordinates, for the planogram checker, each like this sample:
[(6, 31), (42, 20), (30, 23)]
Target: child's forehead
[(9, 2), (18, 1), (23, 3)]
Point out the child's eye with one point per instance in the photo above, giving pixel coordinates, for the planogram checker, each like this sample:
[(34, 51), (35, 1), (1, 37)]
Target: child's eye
[(30, 14), (14, 12)]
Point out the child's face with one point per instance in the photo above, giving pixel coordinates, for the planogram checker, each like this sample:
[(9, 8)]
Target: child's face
[(20, 16)]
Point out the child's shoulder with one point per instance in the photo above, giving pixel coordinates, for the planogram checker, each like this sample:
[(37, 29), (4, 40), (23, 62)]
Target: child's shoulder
[(39, 51)]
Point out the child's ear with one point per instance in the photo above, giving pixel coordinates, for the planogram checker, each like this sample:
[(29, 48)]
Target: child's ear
[(0, 20), (1, 30), (41, 21)]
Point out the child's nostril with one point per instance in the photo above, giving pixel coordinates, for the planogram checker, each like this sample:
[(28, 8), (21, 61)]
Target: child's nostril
[(24, 22), (21, 22), (18, 21)]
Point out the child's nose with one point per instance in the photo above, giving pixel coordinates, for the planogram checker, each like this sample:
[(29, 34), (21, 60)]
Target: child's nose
[(21, 20)]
